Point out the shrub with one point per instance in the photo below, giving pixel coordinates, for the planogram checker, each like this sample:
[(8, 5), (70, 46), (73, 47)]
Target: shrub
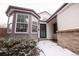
[(18, 47)]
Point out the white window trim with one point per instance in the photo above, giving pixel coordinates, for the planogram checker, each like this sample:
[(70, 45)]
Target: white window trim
[(9, 25), (16, 23), (37, 27), (8, 29)]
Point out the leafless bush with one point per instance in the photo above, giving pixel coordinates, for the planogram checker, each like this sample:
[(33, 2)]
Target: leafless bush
[(16, 47)]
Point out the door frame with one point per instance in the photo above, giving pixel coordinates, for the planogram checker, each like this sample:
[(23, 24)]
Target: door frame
[(42, 22)]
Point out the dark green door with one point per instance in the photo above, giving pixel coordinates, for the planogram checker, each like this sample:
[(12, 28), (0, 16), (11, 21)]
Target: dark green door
[(42, 30)]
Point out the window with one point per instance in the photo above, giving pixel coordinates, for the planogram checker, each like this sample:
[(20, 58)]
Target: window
[(10, 23), (34, 24), (22, 23), (55, 28), (10, 27)]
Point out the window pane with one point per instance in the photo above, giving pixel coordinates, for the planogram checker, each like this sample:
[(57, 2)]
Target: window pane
[(22, 23), (21, 18), (34, 28), (11, 19), (10, 27), (21, 27), (34, 23), (18, 18)]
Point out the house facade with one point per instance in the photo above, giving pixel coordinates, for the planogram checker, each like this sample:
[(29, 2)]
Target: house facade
[(62, 26), (25, 23), (67, 20), (22, 23)]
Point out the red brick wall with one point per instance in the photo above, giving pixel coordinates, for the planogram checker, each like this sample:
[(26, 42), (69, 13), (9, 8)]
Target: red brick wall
[(3, 32)]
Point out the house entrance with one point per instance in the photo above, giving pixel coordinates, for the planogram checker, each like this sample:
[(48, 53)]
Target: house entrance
[(42, 30)]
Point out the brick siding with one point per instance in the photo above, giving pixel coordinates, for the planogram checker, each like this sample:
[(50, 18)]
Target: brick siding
[(3, 32)]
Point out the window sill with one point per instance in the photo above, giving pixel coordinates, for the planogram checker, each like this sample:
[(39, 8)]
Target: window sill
[(21, 32), (34, 33)]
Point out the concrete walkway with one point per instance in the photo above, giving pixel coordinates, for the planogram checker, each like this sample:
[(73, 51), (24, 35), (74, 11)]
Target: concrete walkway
[(50, 48)]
